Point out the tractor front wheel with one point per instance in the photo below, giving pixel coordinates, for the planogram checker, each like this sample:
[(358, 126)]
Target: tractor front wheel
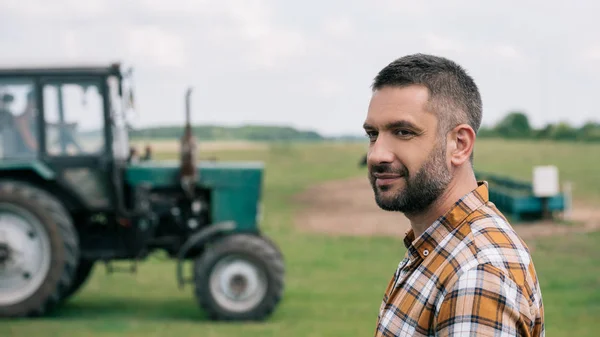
[(239, 277), (38, 250)]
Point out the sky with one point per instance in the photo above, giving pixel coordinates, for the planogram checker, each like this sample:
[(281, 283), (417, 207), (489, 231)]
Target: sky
[(310, 64)]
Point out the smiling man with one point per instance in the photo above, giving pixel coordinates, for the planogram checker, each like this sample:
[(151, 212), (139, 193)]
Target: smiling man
[(466, 272)]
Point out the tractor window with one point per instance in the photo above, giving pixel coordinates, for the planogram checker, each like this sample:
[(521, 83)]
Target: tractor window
[(74, 119), (18, 123)]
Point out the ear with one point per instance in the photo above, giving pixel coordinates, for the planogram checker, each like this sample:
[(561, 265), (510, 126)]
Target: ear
[(462, 142)]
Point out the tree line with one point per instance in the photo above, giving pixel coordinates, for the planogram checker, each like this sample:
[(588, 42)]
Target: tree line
[(516, 125), (246, 132)]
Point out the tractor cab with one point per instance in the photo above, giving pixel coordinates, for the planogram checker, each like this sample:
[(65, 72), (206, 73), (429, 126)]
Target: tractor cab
[(71, 121)]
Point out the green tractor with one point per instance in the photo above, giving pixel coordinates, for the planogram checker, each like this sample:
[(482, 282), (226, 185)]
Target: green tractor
[(73, 194)]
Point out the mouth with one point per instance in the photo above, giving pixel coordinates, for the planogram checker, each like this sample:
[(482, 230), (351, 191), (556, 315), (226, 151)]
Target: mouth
[(383, 179)]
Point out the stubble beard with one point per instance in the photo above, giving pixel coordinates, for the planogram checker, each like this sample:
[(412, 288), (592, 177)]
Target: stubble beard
[(420, 191)]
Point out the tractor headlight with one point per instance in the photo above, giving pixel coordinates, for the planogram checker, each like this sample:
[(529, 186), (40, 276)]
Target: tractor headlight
[(196, 207)]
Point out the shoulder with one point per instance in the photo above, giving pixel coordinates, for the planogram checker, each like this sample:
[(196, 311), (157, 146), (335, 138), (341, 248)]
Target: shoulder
[(485, 237), (500, 267), (495, 241)]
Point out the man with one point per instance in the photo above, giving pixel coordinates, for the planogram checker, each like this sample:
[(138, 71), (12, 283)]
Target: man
[(12, 141), (26, 124), (466, 272)]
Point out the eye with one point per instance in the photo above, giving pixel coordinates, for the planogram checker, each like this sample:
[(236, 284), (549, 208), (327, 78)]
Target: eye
[(372, 135), (404, 133)]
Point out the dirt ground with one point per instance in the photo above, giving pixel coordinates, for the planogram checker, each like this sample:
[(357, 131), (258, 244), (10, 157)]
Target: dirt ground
[(347, 207)]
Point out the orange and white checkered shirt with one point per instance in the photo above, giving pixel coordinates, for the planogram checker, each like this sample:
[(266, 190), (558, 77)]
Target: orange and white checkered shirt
[(469, 274)]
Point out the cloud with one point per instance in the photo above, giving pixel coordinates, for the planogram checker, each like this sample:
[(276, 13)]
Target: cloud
[(586, 60), (504, 52), (406, 7), (329, 87), (338, 27), (162, 33), (270, 45), (246, 26), (455, 46), (277, 49), (591, 54), (440, 43), (42, 9), (174, 7), (71, 45), (156, 46), (507, 51)]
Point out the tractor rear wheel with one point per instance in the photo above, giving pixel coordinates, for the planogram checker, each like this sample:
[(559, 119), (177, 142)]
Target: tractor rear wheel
[(239, 277), (82, 273), (38, 250)]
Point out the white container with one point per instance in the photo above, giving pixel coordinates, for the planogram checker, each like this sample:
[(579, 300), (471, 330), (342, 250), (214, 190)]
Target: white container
[(545, 181)]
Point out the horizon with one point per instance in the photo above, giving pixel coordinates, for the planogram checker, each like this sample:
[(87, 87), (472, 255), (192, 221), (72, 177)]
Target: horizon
[(359, 134)]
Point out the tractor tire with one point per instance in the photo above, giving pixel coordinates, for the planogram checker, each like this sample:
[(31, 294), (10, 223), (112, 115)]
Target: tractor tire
[(255, 263), (82, 273), (39, 249)]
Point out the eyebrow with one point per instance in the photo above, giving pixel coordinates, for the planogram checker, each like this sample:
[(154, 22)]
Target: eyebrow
[(395, 125)]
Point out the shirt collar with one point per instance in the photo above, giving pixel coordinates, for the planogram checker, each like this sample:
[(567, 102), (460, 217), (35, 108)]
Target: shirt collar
[(445, 224)]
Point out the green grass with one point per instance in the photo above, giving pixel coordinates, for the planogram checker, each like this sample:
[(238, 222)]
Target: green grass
[(569, 272), (333, 284)]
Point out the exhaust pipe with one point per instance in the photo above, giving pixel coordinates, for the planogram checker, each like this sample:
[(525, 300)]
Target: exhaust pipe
[(188, 93), (188, 171)]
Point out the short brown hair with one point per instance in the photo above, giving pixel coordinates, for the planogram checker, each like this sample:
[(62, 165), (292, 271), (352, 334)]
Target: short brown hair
[(454, 96)]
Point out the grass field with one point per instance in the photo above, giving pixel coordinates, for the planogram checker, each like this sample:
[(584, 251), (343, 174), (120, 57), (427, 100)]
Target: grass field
[(334, 284)]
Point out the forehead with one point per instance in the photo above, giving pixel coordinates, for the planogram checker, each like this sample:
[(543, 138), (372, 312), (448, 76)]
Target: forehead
[(390, 104)]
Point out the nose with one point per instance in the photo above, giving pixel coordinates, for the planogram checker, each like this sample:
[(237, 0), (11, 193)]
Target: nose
[(380, 152)]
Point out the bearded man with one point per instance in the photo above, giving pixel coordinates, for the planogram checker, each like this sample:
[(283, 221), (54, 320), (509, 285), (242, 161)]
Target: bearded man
[(466, 272)]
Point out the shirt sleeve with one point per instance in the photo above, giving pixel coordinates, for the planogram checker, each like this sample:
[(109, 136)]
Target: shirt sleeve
[(483, 302)]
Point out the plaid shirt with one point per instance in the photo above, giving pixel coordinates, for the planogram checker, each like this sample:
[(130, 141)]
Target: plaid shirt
[(469, 274)]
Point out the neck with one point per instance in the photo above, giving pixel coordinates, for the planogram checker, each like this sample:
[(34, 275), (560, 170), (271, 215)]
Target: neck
[(459, 186)]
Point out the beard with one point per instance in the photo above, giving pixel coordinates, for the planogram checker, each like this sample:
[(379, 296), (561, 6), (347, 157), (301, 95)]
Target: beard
[(421, 190)]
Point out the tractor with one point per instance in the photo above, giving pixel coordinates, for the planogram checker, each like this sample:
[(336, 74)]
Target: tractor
[(74, 195)]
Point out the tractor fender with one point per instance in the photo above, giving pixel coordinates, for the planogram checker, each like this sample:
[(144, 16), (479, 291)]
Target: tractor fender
[(39, 175), (197, 238), (35, 167)]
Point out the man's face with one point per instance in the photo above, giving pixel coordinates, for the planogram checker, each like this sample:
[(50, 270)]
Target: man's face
[(408, 169)]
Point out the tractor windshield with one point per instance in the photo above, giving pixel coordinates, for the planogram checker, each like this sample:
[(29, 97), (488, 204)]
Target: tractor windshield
[(74, 118), (18, 119)]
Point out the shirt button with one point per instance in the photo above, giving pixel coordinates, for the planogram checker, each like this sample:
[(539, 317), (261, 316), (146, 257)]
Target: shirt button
[(425, 252)]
